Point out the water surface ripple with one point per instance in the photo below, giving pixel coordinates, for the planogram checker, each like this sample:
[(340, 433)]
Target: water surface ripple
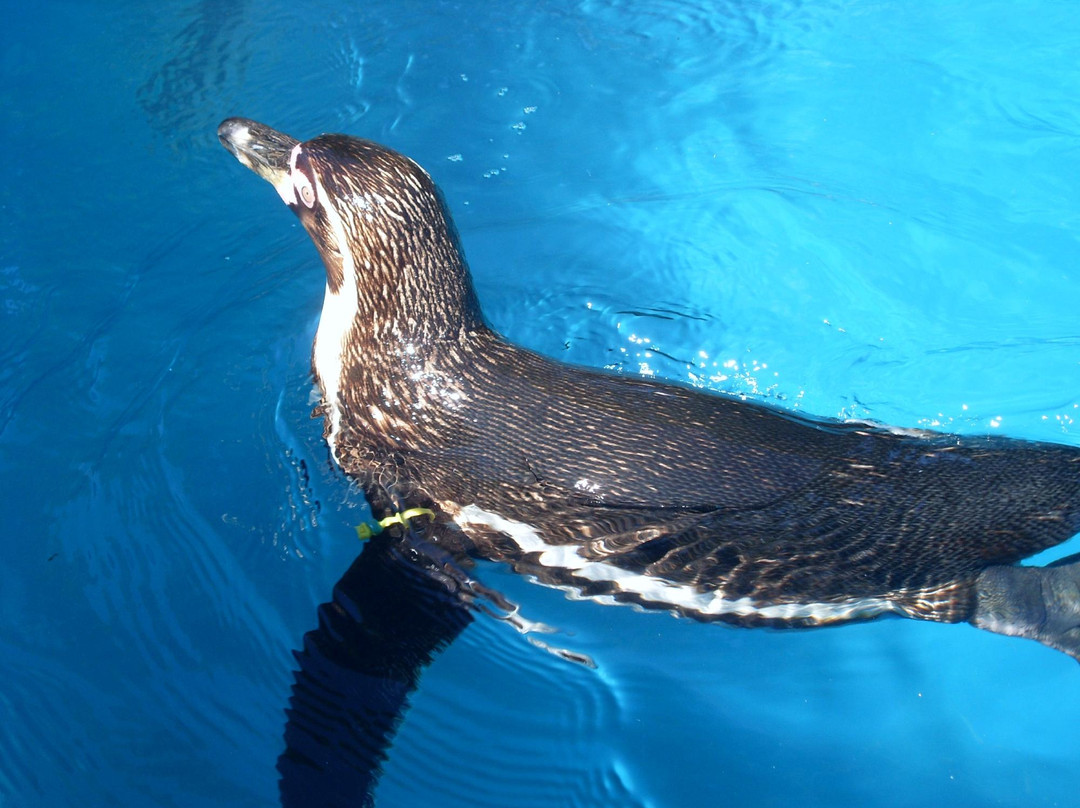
[(849, 208)]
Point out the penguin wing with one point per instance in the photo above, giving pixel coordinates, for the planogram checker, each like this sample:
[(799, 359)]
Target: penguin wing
[(910, 532)]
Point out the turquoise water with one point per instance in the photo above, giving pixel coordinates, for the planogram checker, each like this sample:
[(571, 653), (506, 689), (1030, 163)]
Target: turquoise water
[(854, 209)]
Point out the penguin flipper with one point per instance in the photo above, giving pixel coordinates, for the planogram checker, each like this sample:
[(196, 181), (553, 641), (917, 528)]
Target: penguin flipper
[(1040, 603), (392, 612)]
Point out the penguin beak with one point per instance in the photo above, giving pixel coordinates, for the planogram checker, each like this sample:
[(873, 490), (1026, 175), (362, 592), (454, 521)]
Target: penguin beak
[(262, 149)]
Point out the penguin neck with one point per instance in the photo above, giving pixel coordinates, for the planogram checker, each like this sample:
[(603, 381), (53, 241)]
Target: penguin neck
[(386, 350), (418, 306)]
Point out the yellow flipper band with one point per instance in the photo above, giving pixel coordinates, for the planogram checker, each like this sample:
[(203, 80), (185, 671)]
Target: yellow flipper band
[(368, 529)]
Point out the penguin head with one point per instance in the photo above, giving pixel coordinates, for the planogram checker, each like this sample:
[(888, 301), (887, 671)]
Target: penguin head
[(377, 219)]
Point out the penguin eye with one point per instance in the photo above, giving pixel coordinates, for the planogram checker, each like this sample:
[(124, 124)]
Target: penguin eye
[(306, 192)]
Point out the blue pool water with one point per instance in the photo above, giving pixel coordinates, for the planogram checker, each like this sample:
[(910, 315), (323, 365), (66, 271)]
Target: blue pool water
[(850, 208)]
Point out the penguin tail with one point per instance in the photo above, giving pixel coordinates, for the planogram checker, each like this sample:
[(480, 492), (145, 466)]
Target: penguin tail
[(1040, 603)]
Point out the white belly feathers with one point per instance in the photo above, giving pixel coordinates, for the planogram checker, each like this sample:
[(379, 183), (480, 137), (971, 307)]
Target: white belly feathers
[(335, 324), (655, 590)]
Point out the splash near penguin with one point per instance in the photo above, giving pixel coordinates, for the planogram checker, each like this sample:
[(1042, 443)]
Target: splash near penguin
[(630, 490)]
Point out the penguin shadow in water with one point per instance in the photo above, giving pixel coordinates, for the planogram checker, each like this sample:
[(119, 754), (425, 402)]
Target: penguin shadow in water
[(394, 609)]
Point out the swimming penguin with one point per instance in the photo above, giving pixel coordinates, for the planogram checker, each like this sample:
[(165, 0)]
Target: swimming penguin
[(631, 490)]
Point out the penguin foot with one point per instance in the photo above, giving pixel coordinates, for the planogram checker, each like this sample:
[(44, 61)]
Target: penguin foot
[(1041, 603)]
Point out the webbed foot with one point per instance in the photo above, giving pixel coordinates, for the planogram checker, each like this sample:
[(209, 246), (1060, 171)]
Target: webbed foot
[(1041, 603)]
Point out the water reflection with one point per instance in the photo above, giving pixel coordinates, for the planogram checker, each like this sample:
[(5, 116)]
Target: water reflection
[(391, 612)]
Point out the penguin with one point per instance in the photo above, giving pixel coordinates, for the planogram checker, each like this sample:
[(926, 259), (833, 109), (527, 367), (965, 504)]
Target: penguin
[(632, 490)]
